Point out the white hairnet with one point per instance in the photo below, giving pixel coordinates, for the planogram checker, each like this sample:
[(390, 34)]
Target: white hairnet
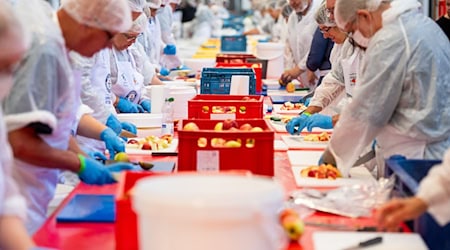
[(139, 24), (165, 2), (154, 4), (136, 5), (276, 4), (286, 10), (110, 15), (322, 16), (345, 10), (175, 1), (13, 36)]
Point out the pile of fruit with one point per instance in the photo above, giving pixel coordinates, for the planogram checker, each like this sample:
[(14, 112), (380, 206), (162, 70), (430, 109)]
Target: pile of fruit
[(293, 106), (324, 136), (151, 142), (321, 172), (292, 224)]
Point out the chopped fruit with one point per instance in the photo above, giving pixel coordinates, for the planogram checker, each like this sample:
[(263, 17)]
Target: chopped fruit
[(321, 172)]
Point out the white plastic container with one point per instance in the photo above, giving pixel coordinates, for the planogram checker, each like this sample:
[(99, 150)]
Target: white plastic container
[(181, 94), (197, 64), (274, 54), (206, 212)]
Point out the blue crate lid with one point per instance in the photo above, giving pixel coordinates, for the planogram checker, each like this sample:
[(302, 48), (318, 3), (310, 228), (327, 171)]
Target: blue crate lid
[(237, 43), (218, 80)]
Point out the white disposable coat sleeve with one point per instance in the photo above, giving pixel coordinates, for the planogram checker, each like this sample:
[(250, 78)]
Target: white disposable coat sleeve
[(165, 20), (435, 191), (326, 92), (143, 63)]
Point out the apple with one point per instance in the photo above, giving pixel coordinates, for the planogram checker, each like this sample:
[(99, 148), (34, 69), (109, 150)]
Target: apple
[(121, 156), (191, 126), (293, 226), (242, 109), (133, 141), (202, 142), (288, 212), (218, 142), (219, 126), (205, 109), (229, 123), (245, 127), (290, 87), (146, 146), (250, 143), (256, 129), (232, 144), (245, 98)]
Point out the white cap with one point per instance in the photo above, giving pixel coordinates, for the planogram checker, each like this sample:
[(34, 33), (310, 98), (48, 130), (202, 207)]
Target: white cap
[(136, 5), (110, 15), (154, 4), (13, 37)]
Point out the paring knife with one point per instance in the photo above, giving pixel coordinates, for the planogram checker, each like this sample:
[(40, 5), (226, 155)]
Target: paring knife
[(127, 134), (367, 243), (341, 227)]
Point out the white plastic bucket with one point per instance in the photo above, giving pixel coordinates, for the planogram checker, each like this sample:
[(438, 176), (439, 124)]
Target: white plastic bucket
[(181, 95), (274, 54), (205, 212)]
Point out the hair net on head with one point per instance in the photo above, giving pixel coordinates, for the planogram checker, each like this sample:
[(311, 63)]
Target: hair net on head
[(139, 24), (154, 4), (276, 4), (136, 5), (286, 10), (13, 36), (175, 1), (164, 2), (110, 15), (321, 16), (345, 10)]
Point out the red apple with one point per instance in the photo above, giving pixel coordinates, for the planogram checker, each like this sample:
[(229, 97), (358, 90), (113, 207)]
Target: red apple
[(190, 126), (293, 226), (245, 127), (133, 141), (229, 123), (146, 146)]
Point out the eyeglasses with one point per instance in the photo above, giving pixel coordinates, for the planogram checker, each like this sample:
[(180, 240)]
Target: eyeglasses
[(329, 11), (324, 29)]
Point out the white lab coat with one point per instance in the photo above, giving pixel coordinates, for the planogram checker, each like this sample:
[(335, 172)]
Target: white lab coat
[(165, 17), (434, 189), (402, 95)]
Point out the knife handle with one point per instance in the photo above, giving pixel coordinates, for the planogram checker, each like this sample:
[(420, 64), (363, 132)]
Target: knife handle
[(371, 242)]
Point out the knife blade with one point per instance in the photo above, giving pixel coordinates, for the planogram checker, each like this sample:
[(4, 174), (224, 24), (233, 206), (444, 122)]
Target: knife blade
[(366, 243), (127, 134), (342, 227)]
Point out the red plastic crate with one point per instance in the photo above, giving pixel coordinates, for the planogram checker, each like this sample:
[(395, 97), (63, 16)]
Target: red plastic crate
[(257, 67), (255, 152), (126, 219), (233, 58), (221, 107)]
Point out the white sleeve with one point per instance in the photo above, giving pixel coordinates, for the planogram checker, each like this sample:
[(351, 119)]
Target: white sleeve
[(434, 189), (326, 92), (143, 63)]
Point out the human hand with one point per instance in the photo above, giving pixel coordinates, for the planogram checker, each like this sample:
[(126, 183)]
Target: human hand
[(112, 142), (289, 75), (93, 172), (311, 77), (96, 155), (321, 121), (128, 126), (394, 212), (297, 124), (114, 123), (125, 106), (146, 105)]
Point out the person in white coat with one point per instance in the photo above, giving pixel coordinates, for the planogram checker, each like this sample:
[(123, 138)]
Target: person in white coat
[(151, 37), (40, 112), (402, 99), (433, 196), (301, 28), (14, 42)]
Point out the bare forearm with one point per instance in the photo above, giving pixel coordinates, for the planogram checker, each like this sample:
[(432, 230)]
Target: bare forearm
[(27, 146), (90, 127), (335, 119), (13, 234), (313, 109)]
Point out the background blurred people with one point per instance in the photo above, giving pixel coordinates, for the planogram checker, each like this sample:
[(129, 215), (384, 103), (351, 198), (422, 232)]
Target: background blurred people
[(444, 21)]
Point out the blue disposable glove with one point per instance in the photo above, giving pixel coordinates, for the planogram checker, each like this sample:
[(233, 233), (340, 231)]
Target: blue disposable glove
[(164, 71), (114, 123), (146, 105), (112, 142), (321, 121), (96, 155), (297, 124), (307, 101), (93, 172), (125, 106), (170, 49), (128, 126)]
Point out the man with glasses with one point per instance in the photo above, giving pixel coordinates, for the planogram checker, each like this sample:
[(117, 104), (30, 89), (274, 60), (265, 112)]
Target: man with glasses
[(40, 111), (404, 85)]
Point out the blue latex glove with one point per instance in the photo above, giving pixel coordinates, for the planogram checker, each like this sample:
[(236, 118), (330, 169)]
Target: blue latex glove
[(170, 49), (321, 121), (96, 155), (307, 101), (112, 142), (164, 71), (93, 172), (297, 124), (114, 123), (125, 106), (128, 126), (146, 105)]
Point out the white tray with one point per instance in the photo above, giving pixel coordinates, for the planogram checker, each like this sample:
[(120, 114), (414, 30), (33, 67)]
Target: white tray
[(142, 120), (304, 158), (359, 175), (298, 142), (171, 149), (277, 109)]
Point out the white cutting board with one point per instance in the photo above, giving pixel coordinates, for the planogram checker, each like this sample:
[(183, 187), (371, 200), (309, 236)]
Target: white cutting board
[(391, 241), (358, 175), (173, 146), (277, 109), (279, 145), (304, 158), (298, 142)]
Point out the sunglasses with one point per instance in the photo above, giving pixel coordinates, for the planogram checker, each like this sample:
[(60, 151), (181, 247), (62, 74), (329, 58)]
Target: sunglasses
[(324, 30)]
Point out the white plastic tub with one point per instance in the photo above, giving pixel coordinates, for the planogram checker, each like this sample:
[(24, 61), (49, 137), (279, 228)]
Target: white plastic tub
[(206, 212), (274, 54)]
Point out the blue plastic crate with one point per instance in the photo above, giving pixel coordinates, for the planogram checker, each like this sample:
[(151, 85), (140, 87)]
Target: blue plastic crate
[(409, 174), (233, 44), (218, 80)]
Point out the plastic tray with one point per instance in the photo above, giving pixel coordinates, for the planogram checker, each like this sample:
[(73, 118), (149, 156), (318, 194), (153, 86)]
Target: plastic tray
[(409, 174), (257, 67), (233, 43), (209, 107), (233, 58), (257, 158), (218, 80)]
